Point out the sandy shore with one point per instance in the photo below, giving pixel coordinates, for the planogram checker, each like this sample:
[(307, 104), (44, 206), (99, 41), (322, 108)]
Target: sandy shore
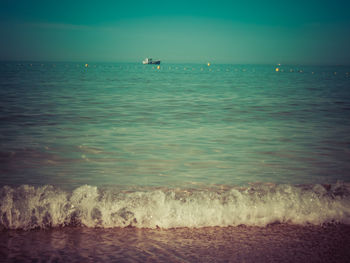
[(275, 243)]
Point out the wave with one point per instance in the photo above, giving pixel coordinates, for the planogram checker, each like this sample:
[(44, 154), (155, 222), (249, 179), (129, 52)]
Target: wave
[(28, 207)]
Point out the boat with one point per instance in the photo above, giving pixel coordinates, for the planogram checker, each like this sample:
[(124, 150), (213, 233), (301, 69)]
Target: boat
[(150, 61)]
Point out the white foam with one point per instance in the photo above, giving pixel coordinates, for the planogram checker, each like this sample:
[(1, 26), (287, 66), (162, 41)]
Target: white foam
[(28, 207)]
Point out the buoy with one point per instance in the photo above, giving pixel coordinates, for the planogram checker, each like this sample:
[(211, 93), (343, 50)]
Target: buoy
[(277, 69), (86, 65), (208, 64)]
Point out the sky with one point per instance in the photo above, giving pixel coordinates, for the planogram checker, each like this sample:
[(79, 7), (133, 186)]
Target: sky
[(249, 32)]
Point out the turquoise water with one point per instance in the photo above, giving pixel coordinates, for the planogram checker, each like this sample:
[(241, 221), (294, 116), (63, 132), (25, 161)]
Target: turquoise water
[(130, 163), (187, 125)]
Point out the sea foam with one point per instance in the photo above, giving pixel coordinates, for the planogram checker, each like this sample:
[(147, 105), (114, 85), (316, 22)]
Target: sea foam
[(28, 207)]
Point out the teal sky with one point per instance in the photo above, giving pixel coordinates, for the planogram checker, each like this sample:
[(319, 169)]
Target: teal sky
[(255, 31)]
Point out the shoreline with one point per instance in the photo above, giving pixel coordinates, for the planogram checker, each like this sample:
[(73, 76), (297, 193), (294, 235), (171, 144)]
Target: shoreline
[(273, 243)]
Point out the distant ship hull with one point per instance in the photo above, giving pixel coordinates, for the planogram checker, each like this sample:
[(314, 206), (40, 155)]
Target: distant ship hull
[(150, 61)]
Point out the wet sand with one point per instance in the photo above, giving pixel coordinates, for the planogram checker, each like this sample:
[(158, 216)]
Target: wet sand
[(274, 243)]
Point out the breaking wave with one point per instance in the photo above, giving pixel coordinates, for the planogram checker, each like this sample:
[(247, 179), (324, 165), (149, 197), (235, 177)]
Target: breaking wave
[(28, 207)]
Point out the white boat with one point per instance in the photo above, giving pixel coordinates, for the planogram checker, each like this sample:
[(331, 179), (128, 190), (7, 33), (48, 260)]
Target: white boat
[(150, 61)]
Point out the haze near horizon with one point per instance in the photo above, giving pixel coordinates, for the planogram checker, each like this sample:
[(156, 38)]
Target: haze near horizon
[(247, 32)]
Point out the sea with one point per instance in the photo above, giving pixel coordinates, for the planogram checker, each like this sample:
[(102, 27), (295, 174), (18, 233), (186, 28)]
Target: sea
[(124, 162)]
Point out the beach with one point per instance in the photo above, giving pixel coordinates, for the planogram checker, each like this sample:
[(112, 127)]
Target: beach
[(274, 243)]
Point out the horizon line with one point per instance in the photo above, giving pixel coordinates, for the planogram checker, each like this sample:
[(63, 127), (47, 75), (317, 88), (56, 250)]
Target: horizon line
[(171, 62)]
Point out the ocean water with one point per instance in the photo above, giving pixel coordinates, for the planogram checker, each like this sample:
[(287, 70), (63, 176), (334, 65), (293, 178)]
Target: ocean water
[(185, 150)]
